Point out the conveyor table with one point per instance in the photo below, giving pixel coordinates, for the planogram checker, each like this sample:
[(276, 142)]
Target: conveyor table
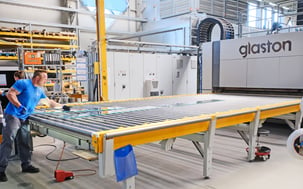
[(106, 126)]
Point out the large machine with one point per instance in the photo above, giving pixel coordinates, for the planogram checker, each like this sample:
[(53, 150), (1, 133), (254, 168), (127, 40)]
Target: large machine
[(104, 127), (270, 63)]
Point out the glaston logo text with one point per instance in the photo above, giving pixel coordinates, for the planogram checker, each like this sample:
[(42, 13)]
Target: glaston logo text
[(264, 47)]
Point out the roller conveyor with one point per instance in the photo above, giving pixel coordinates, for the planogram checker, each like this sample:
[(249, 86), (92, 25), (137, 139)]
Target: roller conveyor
[(89, 118), (106, 126)]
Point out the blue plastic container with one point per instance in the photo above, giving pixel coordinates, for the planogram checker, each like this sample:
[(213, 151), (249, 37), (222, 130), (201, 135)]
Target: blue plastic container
[(125, 163)]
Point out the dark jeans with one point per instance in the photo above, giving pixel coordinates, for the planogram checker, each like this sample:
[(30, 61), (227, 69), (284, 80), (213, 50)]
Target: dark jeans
[(15, 128)]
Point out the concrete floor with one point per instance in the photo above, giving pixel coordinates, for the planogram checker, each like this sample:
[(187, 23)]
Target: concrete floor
[(179, 168)]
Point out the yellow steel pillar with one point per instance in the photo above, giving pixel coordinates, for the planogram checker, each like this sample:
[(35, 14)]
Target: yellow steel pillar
[(101, 36)]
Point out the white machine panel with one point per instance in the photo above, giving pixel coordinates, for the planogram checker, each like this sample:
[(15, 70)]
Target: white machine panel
[(291, 75), (286, 44), (265, 62), (192, 75), (263, 73), (207, 67), (233, 73)]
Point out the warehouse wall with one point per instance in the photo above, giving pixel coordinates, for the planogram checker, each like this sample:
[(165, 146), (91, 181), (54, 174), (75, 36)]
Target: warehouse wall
[(30, 14)]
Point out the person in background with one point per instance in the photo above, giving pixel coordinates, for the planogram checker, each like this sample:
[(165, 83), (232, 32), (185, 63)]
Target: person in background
[(3, 99), (23, 97), (19, 75), (276, 27)]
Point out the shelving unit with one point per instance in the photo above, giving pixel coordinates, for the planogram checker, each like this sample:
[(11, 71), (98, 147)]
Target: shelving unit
[(15, 42), (37, 39)]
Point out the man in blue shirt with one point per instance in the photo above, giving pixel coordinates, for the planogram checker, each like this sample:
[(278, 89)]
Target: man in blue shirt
[(24, 96)]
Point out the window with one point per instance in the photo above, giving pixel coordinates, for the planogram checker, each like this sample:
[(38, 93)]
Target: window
[(252, 14), (115, 7), (267, 18)]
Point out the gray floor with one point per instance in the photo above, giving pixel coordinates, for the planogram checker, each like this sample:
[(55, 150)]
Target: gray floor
[(179, 168)]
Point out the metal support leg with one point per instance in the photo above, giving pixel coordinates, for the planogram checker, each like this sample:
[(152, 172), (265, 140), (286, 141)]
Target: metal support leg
[(167, 144), (299, 116), (253, 129), (208, 145), (106, 159), (199, 148), (129, 183), (244, 136), (107, 166)]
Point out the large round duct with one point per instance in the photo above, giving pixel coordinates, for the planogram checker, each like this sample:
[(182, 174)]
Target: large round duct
[(206, 26)]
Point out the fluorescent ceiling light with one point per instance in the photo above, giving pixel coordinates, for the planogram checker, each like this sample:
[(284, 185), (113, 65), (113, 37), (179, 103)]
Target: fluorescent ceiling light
[(286, 8), (272, 4)]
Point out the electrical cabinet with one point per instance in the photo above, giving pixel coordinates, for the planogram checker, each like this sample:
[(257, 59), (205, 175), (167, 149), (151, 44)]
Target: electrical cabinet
[(180, 75), (137, 75)]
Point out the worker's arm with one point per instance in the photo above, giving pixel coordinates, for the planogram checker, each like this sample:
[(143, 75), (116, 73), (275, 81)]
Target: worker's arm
[(54, 104), (51, 103), (12, 97)]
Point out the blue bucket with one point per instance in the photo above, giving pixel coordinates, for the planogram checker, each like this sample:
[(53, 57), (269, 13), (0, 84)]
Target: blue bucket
[(125, 163)]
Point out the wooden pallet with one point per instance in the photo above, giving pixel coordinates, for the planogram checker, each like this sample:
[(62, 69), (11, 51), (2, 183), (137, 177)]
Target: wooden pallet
[(5, 29), (15, 40), (20, 30), (68, 34), (86, 155)]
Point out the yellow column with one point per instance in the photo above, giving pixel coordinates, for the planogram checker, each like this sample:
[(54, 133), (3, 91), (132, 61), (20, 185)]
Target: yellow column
[(101, 36)]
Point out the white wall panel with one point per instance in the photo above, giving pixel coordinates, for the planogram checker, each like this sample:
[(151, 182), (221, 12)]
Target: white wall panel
[(128, 72), (149, 70), (111, 75), (122, 86), (32, 14), (150, 67), (136, 75), (164, 70)]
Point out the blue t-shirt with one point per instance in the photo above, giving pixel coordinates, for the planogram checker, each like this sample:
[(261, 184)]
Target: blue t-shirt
[(29, 97)]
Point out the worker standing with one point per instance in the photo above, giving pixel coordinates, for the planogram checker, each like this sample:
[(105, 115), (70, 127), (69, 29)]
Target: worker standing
[(3, 99), (23, 97)]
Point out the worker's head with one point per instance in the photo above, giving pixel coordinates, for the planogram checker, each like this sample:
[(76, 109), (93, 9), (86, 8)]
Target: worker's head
[(19, 75), (39, 78)]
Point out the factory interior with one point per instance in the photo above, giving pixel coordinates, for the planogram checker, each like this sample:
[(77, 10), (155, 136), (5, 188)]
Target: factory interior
[(151, 94)]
